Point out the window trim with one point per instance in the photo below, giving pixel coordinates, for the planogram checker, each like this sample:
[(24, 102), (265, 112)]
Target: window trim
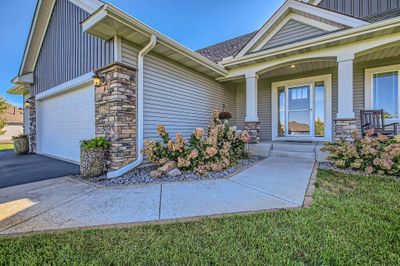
[(369, 87)]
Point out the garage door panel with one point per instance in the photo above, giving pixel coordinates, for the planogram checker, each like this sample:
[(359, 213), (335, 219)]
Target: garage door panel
[(65, 120)]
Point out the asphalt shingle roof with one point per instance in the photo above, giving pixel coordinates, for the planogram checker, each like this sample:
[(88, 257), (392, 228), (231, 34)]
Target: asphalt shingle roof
[(231, 47)]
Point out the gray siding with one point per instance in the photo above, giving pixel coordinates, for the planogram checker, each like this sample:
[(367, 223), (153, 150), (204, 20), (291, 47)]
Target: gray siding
[(360, 8), (176, 96), (291, 32), (264, 107), (66, 51)]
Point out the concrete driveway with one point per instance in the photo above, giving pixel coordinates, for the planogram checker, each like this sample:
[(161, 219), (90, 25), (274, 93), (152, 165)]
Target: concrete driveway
[(69, 203), (22, 169)]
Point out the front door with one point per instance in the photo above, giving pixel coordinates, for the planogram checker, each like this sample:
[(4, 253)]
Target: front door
[(304, 110), (298, 113)]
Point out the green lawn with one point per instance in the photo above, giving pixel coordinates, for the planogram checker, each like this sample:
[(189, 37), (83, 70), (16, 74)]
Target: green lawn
[(6, 147), (353, 220)]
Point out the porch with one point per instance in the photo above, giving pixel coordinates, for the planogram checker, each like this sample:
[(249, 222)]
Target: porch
[(317, 99)]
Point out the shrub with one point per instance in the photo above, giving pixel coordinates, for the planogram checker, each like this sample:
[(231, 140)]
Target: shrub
[(379, 155), (95, 143), (220, 149)]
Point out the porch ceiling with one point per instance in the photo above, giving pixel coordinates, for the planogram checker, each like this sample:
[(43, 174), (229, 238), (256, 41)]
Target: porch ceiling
[(299, 68), (383, 53)]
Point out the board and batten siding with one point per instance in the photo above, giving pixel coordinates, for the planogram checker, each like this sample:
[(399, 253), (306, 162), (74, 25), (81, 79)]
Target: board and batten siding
[(291, 32), (360, 8), (67, 52), (176, 96)]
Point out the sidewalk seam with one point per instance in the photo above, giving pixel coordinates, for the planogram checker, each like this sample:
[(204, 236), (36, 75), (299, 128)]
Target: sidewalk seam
[(159, 206), (266, 193)]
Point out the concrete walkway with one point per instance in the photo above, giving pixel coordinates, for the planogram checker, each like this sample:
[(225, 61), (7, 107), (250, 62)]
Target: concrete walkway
[(273, 183)]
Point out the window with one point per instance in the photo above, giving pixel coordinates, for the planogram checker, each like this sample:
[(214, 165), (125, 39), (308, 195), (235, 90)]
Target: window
[(382, 86), (319, 113), (281, 111), (385, 93)]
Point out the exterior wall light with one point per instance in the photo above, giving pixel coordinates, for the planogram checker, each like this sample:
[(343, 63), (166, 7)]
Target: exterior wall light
[(293, 66), (27, 104), (98, 80)]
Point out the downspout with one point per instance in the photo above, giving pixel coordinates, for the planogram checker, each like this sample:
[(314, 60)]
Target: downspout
[(139, 137)]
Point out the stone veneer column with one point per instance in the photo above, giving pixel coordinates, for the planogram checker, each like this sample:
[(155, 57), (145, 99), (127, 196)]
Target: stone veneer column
[(116, 113), (32, 124), (254, 130), (344, 128)]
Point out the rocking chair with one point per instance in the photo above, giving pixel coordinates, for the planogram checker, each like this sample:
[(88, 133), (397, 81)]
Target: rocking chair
[(375, 119)]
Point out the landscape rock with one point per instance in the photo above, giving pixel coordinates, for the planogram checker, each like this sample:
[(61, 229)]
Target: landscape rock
[(167, 167), (156, 174), (174, 172)]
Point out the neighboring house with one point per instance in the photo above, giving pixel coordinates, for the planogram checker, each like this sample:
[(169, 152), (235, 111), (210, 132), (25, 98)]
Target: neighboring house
[(14, 119), (305, 75)]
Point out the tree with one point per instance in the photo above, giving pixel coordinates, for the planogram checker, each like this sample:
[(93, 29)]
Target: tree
[(3, 108)]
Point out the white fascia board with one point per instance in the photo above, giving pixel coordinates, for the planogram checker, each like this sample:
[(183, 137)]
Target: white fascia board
[(89, 6), (312, 2), (114, 13), (292, 4), (23, 79), (28, 43), (67, 86), (338, 36)]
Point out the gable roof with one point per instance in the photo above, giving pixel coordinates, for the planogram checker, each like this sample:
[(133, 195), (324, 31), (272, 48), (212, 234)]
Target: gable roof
[(40, 21), (294, 5), (231, 47)]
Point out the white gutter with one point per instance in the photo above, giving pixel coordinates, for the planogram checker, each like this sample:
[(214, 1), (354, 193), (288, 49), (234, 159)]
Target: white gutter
[(139, 137)]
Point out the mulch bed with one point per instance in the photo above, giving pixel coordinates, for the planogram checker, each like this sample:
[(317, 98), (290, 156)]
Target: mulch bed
[(332, 166), (142, 175)]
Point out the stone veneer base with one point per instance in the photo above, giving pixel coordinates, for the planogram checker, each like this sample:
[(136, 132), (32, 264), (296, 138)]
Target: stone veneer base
[(32, 124), (254, 130), (116, 113), (344, 127)]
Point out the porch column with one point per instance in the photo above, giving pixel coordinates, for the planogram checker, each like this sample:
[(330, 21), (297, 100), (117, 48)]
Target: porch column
[(251, 121), (345, 90), (345, 123)]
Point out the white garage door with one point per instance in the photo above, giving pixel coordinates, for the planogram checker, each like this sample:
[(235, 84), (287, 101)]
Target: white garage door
[(65, 120)]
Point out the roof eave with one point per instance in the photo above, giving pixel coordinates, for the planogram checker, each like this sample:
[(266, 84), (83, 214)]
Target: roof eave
[(110, 12), (301, 6), (18, 90), (341, 35)]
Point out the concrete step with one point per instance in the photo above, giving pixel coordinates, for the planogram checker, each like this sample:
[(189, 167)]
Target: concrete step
[(295, 147), (293, 154)]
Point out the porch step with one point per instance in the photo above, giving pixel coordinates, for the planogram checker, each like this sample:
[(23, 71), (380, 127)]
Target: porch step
[(295, 147), (293, 154)]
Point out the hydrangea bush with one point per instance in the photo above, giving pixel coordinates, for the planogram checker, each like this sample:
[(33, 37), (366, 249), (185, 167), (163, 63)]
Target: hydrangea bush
[(220, 149), (373, 155)]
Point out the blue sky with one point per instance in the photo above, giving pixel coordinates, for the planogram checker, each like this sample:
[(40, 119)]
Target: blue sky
[(194, 23)]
